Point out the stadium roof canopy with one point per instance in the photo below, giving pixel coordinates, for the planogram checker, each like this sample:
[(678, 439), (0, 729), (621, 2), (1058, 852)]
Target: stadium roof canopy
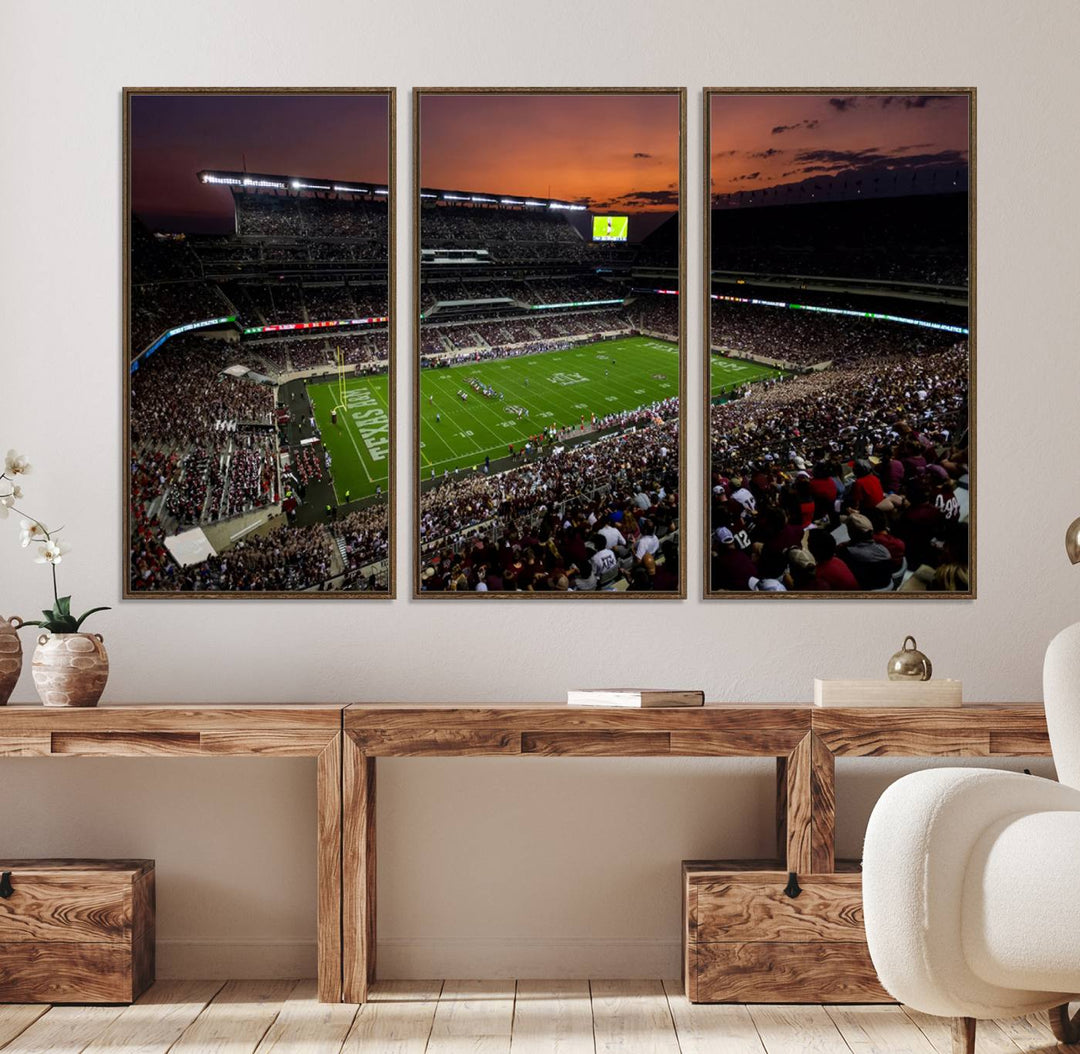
[(473, 197), (262, 182)]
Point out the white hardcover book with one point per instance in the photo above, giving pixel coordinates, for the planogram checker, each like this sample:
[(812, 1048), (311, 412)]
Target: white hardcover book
[(634, 697)]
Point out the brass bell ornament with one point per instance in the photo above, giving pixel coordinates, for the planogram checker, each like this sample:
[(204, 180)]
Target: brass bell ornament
[(909, 664)]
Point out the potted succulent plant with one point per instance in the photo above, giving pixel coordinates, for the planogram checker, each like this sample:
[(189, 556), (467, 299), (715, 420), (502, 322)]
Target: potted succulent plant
[(70, 667)]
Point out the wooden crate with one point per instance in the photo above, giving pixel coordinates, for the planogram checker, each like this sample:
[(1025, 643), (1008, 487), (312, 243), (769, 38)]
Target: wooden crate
[(76, 931), (745, 940)]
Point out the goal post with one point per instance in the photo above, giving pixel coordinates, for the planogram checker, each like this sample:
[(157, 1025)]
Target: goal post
[(339, 362)]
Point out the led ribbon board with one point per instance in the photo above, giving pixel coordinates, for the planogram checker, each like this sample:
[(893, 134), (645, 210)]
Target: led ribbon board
[(286, 327), (175, 332), (943, 326)]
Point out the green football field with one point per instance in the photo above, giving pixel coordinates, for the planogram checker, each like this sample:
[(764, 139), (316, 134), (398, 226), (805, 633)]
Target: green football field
[(359, 444), (558, 388), (726, 373)]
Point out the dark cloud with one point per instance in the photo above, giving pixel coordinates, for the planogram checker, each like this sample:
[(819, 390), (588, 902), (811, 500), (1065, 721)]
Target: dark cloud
[(844, 103), (724, 153), (918, 102), (808, 125), (666, 197), (771, 152), (641, 153), (840, 158), (748, 177), (858, 160)]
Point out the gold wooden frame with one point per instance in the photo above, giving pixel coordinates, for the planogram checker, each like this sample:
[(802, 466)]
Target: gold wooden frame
[(707, 592), (391, 282), (680, 593)]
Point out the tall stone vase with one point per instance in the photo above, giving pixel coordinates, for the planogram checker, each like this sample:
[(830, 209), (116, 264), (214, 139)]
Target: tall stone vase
[(70, 669), (11, 656)]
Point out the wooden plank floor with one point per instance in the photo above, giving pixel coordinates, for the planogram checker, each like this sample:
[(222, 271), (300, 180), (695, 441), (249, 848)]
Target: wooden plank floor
[(484, 1017)]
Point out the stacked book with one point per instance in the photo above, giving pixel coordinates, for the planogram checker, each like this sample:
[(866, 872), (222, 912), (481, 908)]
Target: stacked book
[(634, 697)]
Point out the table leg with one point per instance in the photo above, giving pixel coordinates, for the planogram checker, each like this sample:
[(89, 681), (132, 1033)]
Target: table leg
[(358, 889), (806, 807), (329, 869)]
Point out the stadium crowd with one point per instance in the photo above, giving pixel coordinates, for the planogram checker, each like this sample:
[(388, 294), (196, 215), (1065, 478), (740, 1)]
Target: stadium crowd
[(305, 216), (584, 518), (848, 479), (805, 338)]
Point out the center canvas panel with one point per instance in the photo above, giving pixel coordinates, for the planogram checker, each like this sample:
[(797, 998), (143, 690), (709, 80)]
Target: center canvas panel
[(549, 342)]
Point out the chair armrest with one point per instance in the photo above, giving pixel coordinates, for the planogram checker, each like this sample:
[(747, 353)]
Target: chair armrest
[(919, 841)]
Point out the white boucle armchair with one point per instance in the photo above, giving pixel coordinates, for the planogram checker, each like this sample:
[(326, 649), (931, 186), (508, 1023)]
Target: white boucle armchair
[(971, 880)]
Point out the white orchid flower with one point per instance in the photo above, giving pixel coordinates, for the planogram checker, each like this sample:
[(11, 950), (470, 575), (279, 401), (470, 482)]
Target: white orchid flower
[(30, 531), (16, 464), (52, 552)]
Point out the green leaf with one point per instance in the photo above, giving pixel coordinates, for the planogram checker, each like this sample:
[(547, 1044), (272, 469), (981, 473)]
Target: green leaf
[(49, 615), (84, 617), (63, 606)]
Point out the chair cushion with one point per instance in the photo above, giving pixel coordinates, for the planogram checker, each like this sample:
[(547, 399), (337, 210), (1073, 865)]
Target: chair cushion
[(1021, 903)]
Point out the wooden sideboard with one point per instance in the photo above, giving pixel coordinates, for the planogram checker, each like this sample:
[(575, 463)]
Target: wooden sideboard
[(347, 740)]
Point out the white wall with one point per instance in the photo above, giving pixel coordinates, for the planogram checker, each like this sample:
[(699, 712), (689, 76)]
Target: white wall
[(489, 865)]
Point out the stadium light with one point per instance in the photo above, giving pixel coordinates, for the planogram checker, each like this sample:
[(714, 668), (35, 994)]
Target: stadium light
[(350, 190), (456, 197), (538, 204), (489, 201), (382, 190), (248, 182), (510, 201), (208, 178)]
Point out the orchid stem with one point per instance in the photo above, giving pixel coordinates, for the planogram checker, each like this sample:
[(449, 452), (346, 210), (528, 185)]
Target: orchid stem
[(55, 592)]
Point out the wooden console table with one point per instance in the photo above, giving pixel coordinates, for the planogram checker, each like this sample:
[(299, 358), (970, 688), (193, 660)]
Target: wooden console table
[(347, 740), (207, 730), (804, 739)]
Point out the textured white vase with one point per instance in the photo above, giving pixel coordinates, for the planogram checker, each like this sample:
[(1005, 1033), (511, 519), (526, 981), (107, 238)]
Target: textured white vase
[(70, 669)]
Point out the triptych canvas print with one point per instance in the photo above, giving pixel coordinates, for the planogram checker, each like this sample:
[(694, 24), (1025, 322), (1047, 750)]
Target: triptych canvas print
[(547, 347)]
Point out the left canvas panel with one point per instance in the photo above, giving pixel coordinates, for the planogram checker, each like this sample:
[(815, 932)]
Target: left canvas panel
[(258, 343)]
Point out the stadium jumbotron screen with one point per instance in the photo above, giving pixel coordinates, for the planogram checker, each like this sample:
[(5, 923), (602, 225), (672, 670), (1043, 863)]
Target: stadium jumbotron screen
[(610, 228)]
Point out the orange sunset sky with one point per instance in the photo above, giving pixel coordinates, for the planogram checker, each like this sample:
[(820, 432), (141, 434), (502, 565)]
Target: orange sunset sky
[(607, 151), (764, 141)]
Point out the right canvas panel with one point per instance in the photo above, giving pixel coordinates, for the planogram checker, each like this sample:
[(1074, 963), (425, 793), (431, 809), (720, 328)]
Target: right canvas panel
[(840, 455)]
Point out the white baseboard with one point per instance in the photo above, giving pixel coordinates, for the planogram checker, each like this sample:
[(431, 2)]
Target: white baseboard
[(417, 958)]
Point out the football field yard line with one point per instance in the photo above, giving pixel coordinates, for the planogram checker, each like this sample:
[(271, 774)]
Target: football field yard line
[(349, 429), (464, 409), (353, 470), (748, 372), (629, 386)]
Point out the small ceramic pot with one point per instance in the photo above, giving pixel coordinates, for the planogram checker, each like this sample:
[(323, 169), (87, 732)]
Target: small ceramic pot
[(909, 664), (10, 656), (70, 669)]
